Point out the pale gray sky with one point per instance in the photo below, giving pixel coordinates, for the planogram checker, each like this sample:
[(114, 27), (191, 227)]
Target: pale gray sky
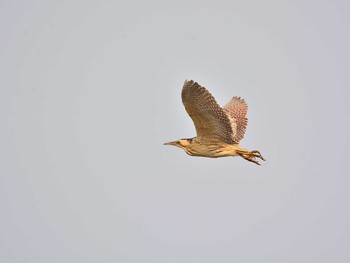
[(90, 91)]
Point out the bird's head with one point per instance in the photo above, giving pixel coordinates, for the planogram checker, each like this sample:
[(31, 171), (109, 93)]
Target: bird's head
[(180, 143), (183, 143)]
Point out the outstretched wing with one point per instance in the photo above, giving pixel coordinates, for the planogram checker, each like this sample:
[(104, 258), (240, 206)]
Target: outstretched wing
[(210, 120), (236, 109)]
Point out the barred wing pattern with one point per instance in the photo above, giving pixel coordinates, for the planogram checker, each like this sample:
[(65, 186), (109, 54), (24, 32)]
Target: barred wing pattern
[(211, 122), (236, 109)]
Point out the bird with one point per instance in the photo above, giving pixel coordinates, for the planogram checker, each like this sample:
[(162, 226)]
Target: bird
[(219, 130)]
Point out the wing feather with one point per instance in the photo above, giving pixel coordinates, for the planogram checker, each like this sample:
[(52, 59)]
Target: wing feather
[(210, 120), (236, 109)]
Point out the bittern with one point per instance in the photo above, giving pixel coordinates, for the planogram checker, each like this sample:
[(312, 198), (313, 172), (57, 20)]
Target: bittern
[(219, 130)]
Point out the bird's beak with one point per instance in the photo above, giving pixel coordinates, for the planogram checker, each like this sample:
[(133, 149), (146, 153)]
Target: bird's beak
[(174, 143)]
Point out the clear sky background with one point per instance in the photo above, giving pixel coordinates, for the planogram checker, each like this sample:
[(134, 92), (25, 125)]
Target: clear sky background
[(90, 91)]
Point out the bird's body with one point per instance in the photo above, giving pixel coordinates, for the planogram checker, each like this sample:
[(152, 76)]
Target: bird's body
[(195, 148), (219, 130)]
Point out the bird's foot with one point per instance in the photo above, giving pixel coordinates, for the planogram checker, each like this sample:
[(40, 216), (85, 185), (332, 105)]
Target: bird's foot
[(251, 156)]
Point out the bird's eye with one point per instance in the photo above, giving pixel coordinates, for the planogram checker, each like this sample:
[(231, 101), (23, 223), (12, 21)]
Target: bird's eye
[(184, 142)]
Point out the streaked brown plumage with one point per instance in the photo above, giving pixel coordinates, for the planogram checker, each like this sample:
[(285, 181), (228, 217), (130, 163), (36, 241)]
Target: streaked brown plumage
[(219, 130)]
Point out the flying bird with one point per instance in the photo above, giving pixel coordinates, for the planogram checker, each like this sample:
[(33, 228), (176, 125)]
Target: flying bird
[(219, 130)]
